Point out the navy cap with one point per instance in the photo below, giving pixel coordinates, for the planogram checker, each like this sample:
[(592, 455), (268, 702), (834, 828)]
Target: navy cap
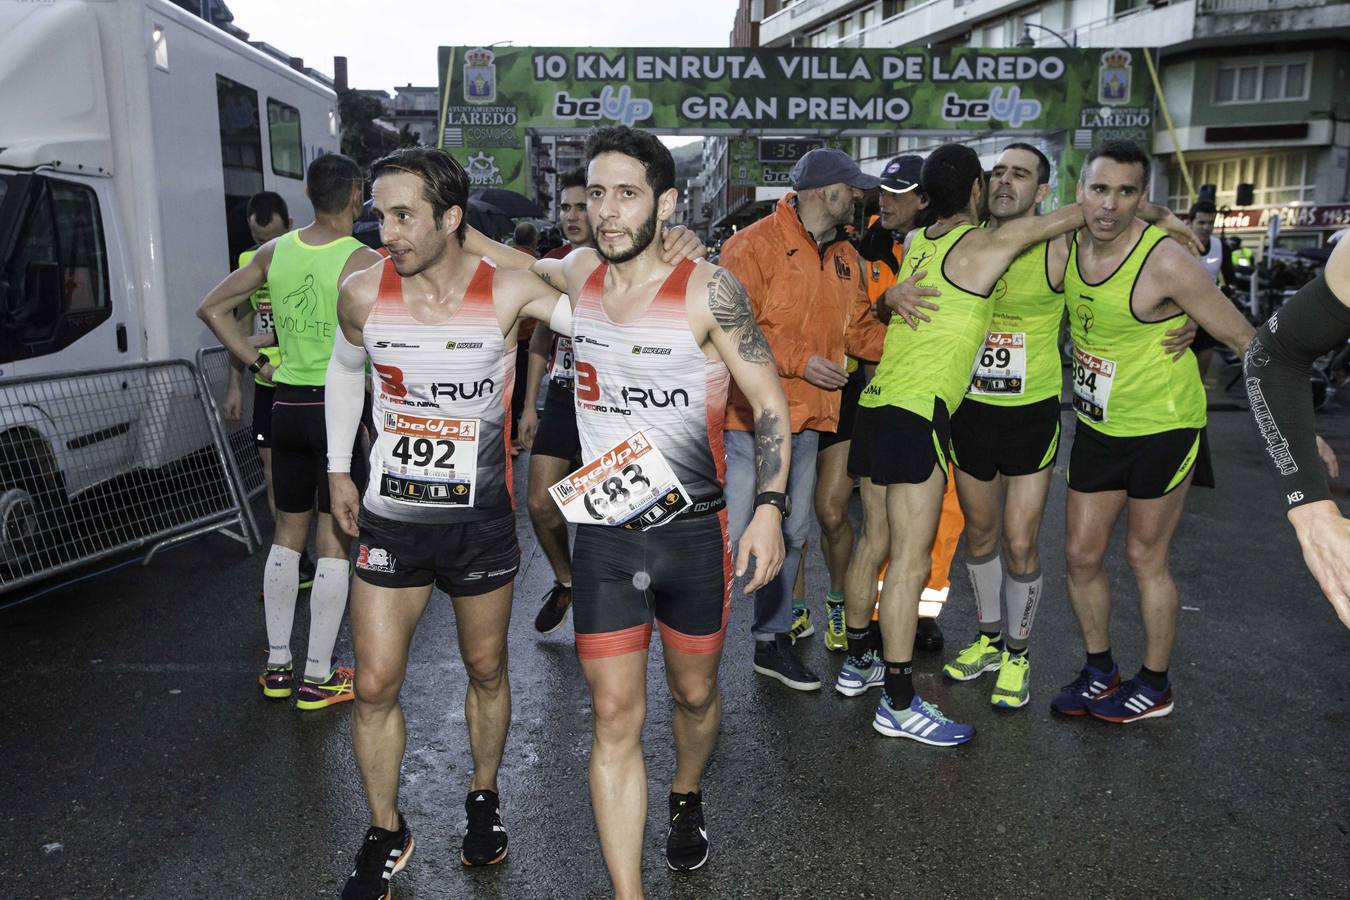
[(826, 165), (901, 174)]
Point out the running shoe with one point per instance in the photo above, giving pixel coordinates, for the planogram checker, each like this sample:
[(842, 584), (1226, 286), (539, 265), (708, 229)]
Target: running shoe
[(306, 572), (921, 722), (857, 675), (1013, 688), (553, 612), (336, 688), (1074, 697), (687, 839), (1131, 702), (484, 833), (836, 637), (976, 659), (801, 623), (776, 660), (276, 682), (383, 854), (928, 635)]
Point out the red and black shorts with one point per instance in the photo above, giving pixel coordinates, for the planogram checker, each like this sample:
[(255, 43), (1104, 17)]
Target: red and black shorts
[(464, 559), (678, 575)]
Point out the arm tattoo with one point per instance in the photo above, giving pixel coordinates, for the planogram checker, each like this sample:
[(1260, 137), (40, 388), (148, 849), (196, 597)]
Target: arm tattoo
[(548, 279), (730, 306), (768, 448)]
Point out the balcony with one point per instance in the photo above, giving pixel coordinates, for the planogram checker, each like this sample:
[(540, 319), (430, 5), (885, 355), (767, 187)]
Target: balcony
[(1224, 18)]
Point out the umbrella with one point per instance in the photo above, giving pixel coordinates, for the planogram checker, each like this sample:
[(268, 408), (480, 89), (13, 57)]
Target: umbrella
[(509, 202), (489, 219)]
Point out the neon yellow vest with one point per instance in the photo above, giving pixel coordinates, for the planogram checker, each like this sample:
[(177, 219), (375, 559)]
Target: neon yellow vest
[(1019, 362), (934, 362), (1124, 383), (304, 286), (261, 301)]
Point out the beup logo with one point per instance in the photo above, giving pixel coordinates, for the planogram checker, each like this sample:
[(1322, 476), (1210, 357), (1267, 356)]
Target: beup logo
[(1009, 108), (1114, 79), (482, 171), (480, 76), (620, 106)]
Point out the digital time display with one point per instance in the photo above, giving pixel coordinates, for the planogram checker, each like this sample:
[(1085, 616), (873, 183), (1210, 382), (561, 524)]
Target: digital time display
[(785, 150)]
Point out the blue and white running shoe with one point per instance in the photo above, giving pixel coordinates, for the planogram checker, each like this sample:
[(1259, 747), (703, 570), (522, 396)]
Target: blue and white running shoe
[(921, 722), (1074, 697), (857, 675), (1131, 702)]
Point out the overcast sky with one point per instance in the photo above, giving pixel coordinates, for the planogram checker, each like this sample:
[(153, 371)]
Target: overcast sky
[(395, 43)]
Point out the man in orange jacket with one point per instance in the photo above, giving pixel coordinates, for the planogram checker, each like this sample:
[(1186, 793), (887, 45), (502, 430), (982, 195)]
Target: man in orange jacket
[(804, 279), (882, 246)]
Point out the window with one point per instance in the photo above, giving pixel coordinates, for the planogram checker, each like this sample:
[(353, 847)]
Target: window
[(1125, 7), (283, 131), (887, 146), (240, 157), (56, 279), (1262, 80), (1280, 178)]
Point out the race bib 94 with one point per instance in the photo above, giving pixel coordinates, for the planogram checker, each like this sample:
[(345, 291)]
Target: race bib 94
[(1092, 377), (631, 485)]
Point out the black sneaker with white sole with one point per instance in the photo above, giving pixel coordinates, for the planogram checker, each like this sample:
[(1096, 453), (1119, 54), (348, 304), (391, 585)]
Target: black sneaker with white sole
[(553, 612), (776, 659), (383, 854), (484, 833), (687, 839)]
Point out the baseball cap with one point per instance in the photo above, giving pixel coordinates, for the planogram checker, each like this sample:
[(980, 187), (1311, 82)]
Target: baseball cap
[(826, 165), (901, 174)]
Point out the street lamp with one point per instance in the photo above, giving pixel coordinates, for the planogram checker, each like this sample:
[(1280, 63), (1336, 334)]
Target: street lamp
[(1026, 41)]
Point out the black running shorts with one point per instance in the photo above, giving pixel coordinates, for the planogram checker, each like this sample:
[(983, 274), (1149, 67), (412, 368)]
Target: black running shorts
[(679, 574), (556, 435), (848, 410), (463, 559), (262, 414), (300, 451), (1012, 440), (1145, 468), (895, 446)]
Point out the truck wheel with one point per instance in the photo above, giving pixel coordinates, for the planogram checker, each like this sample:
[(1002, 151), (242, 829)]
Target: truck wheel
[(32, 499)]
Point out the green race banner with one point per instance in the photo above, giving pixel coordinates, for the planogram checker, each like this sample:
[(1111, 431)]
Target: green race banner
[(491, 98)]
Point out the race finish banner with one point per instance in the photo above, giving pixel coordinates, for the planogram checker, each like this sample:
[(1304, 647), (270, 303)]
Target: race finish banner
[(491, 98)]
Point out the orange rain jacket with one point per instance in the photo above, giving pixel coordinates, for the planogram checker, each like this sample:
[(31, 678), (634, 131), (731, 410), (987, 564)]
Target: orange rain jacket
[(805, 300)]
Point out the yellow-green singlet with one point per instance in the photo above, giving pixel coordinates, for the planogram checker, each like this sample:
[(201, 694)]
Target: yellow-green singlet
[(1019, 362), (1125, 383), (934, 362), (304, 287), (261, 301)]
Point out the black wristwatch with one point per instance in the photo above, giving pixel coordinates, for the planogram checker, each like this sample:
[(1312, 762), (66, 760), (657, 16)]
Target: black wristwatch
[(777, 499), (257, 365)]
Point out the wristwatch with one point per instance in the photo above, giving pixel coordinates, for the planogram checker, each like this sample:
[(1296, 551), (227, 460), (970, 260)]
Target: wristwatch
[(777, 499), (257, 365)]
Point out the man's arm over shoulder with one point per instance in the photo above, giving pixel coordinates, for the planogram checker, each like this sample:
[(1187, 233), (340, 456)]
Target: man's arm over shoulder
[(1173, 272)]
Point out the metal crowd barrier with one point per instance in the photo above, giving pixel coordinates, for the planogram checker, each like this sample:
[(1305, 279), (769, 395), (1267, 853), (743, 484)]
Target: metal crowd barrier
[(214, 365), (104, 461)]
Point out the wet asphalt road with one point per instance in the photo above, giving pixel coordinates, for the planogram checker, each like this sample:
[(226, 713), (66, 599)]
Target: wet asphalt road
[(137, 758)]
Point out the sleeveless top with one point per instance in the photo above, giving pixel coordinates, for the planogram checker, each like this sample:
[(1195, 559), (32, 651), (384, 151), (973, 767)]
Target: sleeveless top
[(441, 402), (303, 281), (261, 301), (650, 375), (1125, 383), (1019, 362), (935, 362)]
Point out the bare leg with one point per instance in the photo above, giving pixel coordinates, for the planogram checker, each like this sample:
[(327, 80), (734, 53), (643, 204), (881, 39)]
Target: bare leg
[(482, 623), (980, 502), (913, 511), (618, 774), (698, 713), (1147, 541), (549, 526), (265, 454), (833, 490), (860, 583), (1023, 509), (383, 621), (1090, 519)]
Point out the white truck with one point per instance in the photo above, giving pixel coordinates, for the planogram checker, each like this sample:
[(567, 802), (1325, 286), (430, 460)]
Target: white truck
[(132, 134)]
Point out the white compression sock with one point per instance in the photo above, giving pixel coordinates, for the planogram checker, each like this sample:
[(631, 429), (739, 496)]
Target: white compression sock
[(281, 580), (327, 603), (1024, 593), (986, 577)]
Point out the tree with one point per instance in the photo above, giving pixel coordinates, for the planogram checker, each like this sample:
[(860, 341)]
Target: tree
[(363, 139)]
